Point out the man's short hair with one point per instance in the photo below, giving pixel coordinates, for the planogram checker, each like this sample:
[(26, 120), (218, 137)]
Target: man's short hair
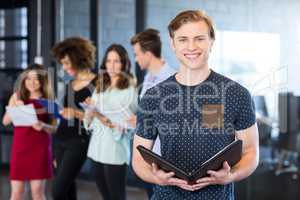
[(149, 40), (191, 16)]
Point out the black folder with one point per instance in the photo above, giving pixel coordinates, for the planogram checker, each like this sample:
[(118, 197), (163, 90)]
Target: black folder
[(231, 153)]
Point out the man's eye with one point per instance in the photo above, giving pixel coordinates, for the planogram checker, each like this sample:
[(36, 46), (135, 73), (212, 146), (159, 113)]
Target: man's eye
[(200, 39)]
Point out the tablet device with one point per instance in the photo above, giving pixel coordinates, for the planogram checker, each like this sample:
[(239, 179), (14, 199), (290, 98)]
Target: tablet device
[(231, 153)]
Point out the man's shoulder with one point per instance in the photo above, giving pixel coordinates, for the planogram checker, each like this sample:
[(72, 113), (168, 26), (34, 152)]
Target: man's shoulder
[(166, 72), (222, 78), (228, 83), (161, 86), (169, 69)]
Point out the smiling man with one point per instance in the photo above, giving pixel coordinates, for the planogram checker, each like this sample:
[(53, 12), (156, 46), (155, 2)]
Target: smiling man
[(195, 113)]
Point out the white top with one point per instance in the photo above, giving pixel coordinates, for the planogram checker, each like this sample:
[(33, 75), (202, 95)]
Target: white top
[(112, 146)]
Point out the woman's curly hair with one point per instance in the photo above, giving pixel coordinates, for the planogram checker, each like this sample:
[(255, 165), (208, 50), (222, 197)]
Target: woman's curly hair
[(81, 52)]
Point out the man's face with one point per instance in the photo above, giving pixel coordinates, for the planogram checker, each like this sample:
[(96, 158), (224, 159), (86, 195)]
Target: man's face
[(142, 58), (192, 45)]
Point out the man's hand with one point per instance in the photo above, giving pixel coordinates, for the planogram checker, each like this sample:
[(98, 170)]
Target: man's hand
[(163, 178), (151, 173), (220, 177)]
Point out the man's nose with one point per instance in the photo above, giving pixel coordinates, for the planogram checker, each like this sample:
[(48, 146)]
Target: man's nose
[(191, 45)]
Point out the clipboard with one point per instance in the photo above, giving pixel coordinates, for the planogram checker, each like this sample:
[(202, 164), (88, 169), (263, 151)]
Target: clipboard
[(231, 153)]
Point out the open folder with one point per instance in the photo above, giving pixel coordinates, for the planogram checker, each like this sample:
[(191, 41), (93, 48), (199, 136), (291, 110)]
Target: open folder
[(231, 153), (51, 107), (120, 118), (117, 116), (88, 107)]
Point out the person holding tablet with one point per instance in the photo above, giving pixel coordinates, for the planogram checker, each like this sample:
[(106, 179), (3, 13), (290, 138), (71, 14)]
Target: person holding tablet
[(195, 113)]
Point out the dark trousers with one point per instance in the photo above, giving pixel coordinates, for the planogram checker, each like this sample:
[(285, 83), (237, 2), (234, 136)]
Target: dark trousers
[(69, 156), (110, 180)]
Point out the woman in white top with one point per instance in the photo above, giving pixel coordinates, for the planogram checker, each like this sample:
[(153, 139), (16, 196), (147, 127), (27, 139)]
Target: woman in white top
[(112, 102)]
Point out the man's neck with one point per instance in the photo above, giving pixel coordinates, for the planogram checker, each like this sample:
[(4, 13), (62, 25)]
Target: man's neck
[(188, 77), (156, 66)]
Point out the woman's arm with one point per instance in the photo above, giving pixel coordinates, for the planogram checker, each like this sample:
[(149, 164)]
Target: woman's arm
[(6, 119), (104, 120), (134, 107), (79, 114), (70, 113), (49, 128), (13, 101)]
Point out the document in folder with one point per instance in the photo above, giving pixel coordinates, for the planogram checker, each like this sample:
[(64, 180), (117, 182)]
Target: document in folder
[(231, 153), (120, 118), (116, 116), (22, 115), (88, 107)]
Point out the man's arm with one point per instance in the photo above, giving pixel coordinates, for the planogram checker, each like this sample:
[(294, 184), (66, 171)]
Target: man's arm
[(245, 167), (150, 173), (250, 154), (141, 168)]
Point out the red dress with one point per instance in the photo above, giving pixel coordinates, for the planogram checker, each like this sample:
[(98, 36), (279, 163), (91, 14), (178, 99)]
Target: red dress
[(31, 156)]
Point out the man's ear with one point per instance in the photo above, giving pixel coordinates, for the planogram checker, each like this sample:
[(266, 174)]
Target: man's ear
[(172, 44), (211, 44), (148, 54)]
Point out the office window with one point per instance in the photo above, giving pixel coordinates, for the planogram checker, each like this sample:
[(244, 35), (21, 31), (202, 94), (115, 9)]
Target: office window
[(252, 59), (13, 38)]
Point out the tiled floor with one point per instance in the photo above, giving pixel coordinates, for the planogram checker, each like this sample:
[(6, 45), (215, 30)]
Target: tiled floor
[(86, 190)]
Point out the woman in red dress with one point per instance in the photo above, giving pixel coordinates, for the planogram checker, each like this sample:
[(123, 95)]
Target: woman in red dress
[(31, 158)]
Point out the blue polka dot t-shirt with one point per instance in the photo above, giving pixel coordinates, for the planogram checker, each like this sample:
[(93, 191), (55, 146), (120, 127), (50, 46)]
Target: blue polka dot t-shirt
[(193, 123)]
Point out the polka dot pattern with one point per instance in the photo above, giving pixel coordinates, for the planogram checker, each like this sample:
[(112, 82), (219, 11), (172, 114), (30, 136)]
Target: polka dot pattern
[(174, 113)]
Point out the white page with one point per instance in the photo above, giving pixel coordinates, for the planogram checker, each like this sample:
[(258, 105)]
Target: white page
[(22, 115), (120, 118), (117, 116), (88, 107)]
